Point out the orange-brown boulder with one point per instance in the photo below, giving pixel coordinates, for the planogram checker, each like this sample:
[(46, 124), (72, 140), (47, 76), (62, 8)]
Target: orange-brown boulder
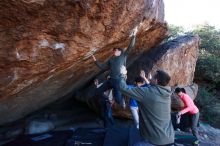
[(177, 57), (45, 45)]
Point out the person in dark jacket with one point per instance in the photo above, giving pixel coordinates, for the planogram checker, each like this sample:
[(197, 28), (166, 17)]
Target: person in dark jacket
[(114, 64), (106, 103), (154, 107)]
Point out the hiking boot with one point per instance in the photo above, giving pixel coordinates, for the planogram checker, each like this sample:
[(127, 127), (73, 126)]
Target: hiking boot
[(177, 129), (196, 143)]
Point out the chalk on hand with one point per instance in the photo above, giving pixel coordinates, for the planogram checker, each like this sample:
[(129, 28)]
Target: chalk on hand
[(134, 31), (90, 53), (150, 76)]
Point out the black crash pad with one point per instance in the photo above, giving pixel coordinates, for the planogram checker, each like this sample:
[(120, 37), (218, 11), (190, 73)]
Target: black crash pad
[(57, 138)]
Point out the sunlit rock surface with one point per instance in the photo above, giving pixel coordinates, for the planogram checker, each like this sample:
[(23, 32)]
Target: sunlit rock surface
[(177, 57), (45, 45)]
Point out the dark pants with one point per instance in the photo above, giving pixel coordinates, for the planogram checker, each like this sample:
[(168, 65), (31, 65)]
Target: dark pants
[(106, 113), (135, 139), (111, 84), (194, 123)]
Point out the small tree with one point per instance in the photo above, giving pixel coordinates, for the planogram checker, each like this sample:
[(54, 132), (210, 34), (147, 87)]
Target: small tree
[(209, 54)]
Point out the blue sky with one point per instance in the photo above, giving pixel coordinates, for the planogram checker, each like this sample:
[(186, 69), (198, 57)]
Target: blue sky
[(188, 13)]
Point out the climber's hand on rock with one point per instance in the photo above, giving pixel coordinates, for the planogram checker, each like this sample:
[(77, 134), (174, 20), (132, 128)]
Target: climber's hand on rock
[(135, 31), (142, 74), (93, 57)]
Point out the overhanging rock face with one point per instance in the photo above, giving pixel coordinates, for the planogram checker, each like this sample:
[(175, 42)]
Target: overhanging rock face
[(45, 44), (177, 57)]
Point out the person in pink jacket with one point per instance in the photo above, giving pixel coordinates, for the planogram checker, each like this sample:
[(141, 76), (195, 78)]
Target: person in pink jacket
[(189, 107)]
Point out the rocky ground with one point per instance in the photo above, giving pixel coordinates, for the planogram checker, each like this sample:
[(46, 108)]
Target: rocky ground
[(57, 118)]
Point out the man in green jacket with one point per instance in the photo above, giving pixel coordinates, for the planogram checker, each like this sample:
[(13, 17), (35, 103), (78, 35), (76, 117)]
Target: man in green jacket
[(114, 65), (154, 106)]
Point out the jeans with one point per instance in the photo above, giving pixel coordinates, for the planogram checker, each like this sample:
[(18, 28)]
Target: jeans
[(111, 84), (135, 139), (194, 123), (106, 113), (135, 116)]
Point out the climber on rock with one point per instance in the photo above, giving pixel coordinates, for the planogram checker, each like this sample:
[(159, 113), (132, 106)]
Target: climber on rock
[(114, 64)]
